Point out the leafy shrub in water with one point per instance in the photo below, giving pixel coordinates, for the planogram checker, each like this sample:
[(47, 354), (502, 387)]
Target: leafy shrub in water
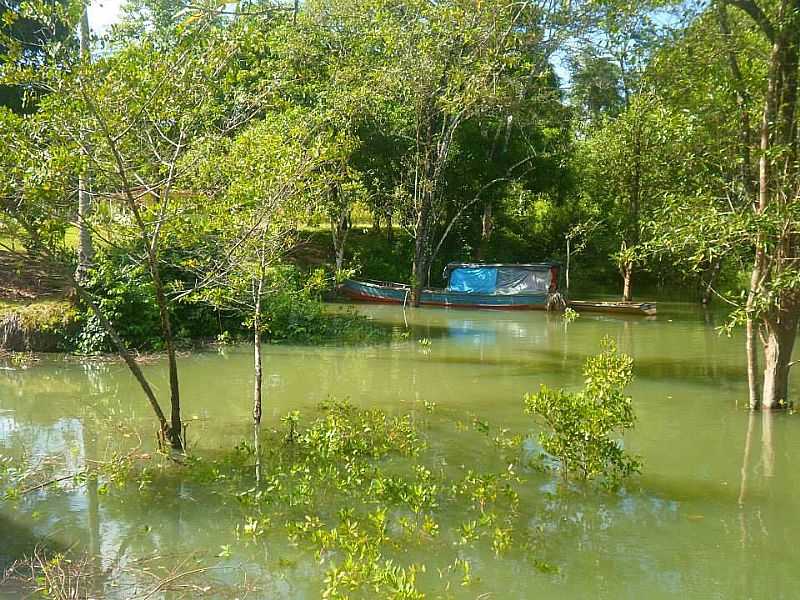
[(292, 311), (125, 292), (295, 311), (581, 425), (353, 432)]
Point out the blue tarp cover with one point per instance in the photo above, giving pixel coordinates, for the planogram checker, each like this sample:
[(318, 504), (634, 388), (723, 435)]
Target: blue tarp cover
[(480, 280)]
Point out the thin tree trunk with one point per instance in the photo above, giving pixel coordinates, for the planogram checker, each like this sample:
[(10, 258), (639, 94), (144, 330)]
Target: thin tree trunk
[(422, 249), (566, 273), (257, 353), (421, 268), (708, 291), (757, 275), (754, 396), (166, 328), (754, 393), (339, 234), (85, 248), (487, 227), (389, 228), (126, 356), (627, 282), (340, 228)]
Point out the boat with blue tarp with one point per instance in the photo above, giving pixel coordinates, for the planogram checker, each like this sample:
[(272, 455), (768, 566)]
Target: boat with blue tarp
[(527, 286), (471, 285)]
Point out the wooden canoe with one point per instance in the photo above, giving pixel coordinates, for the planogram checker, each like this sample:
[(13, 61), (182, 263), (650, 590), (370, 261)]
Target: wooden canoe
[(625, 308)]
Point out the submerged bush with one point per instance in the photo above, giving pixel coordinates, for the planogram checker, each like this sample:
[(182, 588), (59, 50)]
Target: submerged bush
[(126, 295), (581, 425), (361, 489)]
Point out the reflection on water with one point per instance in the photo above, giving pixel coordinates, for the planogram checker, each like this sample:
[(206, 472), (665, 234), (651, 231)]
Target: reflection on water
[(712, 516)]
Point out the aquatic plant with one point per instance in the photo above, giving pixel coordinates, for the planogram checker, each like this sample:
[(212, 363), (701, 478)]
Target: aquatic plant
[(358, 489), (580, 426), (569, 315)]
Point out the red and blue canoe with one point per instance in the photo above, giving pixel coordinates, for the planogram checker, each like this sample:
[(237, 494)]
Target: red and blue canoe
[(500, 286), (398, 293)]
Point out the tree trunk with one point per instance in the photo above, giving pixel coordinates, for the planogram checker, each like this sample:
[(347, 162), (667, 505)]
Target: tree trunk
[(487, 227), (422, 249), (711, 276), (166, 329), (85, 249), (627, 281), (778, 345), (257, 355), (421, 267), (122, 350), (754, 397), (566, 272), (389, 228), (340, 227)]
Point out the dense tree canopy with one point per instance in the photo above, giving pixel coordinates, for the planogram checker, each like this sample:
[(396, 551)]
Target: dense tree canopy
[(462, 129)]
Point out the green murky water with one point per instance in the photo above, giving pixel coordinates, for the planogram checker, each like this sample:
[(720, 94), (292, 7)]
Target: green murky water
[(714, 514)]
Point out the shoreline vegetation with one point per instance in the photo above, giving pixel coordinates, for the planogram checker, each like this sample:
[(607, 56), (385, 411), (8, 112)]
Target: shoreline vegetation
[(48, 317)]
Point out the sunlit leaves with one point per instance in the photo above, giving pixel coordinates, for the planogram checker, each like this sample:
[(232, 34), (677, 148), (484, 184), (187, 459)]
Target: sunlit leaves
[(580, 425)]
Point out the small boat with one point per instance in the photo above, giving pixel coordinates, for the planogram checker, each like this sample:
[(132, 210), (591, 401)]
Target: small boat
[(494, 286), (624, 308)]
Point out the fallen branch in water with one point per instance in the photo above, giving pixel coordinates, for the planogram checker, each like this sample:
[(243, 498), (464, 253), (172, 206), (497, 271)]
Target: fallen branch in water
[(50, 482), (64, 577), (86, 473)]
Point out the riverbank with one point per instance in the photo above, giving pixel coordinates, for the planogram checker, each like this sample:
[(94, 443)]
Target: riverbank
[(39, 313)]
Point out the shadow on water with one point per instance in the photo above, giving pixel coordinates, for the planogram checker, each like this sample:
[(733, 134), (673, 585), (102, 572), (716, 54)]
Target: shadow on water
[(709, 373), (553, 361), (18, 542)]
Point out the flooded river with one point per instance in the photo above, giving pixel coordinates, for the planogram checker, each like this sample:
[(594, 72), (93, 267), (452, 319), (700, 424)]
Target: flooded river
[(713, 515)]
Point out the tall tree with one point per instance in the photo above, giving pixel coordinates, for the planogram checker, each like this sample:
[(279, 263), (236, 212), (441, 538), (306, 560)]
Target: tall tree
[(773, 301), (628, 167), (439, 66), (752, 60), (85, 247)]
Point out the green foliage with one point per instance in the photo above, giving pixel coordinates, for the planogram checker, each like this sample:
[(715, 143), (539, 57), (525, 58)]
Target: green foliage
[(348, 431), (580, 425), (125, 293), (46, 316), (569, 315), (294, 311), (361, 489)]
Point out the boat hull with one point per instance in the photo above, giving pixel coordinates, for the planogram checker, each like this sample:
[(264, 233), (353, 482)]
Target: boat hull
[(387, 293), (398, 293), (620, 308)]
